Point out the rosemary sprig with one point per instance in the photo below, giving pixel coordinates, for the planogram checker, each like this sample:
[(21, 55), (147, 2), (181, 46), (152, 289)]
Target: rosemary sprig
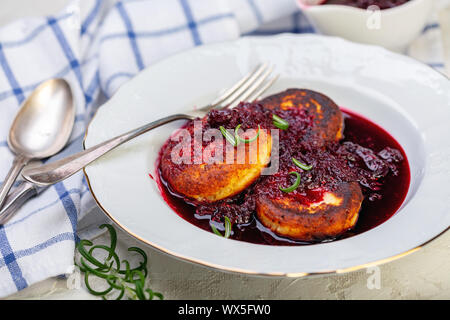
[(126, 282), (228, 226), (230, 138), (301, 165), (295, 185), (280, 123), (239, 139)]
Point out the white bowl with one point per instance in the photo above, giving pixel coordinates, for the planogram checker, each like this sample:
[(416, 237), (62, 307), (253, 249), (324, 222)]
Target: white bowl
[(397, 27)]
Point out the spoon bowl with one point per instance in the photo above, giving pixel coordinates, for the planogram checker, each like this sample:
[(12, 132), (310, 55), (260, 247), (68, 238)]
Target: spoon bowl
[(45, 121), (41, 128)]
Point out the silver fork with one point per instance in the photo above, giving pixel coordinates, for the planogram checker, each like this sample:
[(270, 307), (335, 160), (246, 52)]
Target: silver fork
[(248, 88)]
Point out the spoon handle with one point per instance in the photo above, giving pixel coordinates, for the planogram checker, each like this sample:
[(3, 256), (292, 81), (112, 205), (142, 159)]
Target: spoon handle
[(54, 172), (18, 164)]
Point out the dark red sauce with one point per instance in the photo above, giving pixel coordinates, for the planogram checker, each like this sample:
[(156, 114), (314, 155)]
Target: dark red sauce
[(364, 4), (367, 154)]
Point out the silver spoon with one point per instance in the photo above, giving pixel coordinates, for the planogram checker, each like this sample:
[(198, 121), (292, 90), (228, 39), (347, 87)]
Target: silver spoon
[(41, 128)]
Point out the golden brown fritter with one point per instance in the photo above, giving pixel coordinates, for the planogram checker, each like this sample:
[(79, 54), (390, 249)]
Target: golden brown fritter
[(212, 182), (327, 117), (329, 217), (337, 211)]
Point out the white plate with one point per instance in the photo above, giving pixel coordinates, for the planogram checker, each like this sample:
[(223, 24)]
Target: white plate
[(407, 98)]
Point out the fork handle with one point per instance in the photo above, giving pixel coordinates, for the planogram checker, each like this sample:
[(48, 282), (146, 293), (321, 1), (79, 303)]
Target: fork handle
[(18, 164), (54, 172)]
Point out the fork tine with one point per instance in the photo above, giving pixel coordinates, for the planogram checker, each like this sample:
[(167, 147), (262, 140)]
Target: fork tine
[(251, 89), (243, 88), (263, 89), (236, 86)]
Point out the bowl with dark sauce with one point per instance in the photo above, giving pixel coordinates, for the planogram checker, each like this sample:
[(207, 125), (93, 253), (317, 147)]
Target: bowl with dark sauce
[(337, 154), (392, 24)]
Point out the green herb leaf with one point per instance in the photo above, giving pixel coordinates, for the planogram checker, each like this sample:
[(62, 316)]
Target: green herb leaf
[(214, 229), (158, 294), (228, 227), (280, 123), (301, 165), (228, 136), (92, 291), (238, 138), (111, 253), (113, 237), (88, 256), (295, 185)]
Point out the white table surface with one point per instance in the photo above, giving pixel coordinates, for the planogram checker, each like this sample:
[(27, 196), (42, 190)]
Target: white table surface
[(421, 275)]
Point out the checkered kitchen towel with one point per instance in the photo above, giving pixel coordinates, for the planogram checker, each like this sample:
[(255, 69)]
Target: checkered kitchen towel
[(97, 46)]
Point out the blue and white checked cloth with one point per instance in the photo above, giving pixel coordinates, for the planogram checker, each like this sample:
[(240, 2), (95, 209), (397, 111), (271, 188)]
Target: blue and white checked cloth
[(97, 46)]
